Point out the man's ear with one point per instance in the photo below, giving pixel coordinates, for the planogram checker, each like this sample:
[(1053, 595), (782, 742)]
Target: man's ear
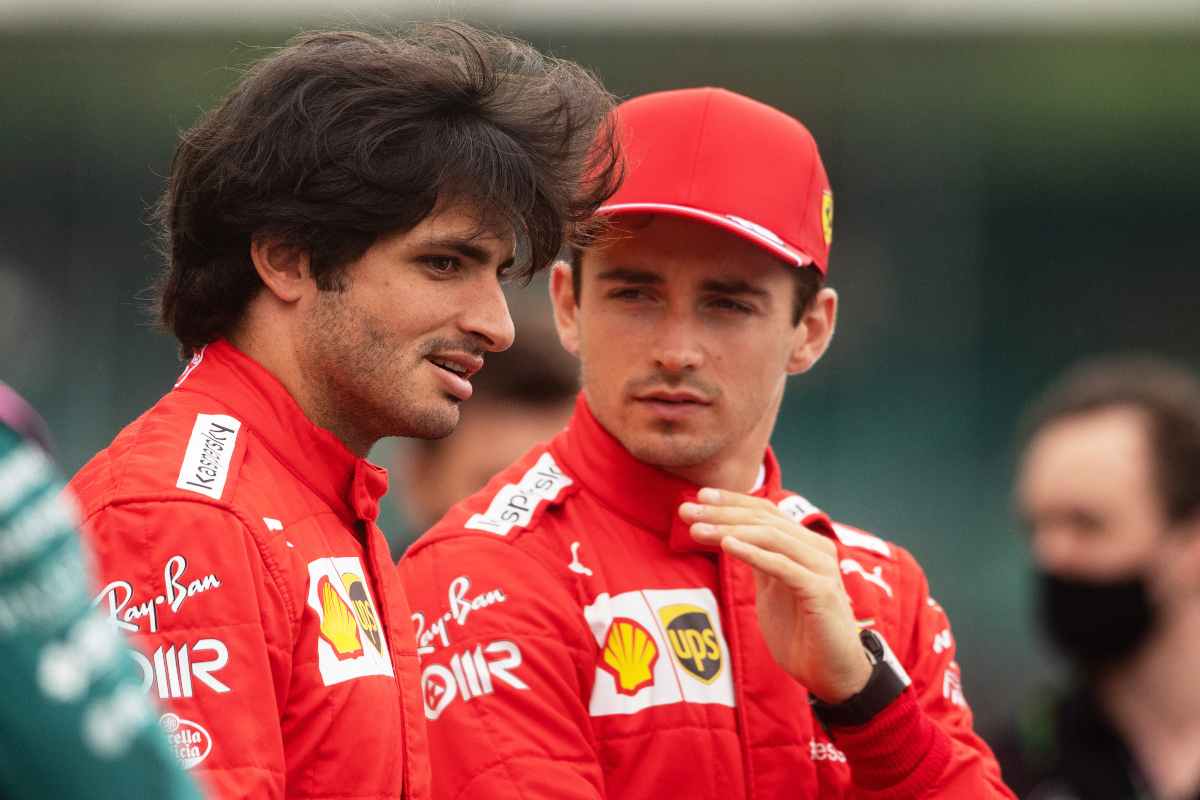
[(284, 268), (811, 338), (566, 309)]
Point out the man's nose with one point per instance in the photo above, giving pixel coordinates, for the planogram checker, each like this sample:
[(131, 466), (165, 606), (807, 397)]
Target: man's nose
[(677, 346), (488, 318), (1055, 550)]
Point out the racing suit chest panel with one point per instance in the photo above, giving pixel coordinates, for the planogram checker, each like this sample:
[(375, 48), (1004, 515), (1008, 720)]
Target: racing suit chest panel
[(712, 665), (343, 652), (664, 675)]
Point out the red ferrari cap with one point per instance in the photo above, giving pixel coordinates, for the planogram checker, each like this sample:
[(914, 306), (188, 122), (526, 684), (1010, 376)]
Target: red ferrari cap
[(718, 157)]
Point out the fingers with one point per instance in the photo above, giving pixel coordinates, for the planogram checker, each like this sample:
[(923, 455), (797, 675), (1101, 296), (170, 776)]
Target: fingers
[(795, 575), (770, 538), (722, 513)]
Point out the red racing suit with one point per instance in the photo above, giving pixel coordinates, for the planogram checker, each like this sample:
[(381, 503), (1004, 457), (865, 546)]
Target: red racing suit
[(237, 543), (577, 643)]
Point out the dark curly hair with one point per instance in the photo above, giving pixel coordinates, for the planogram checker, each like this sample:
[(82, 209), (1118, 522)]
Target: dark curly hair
[(339, 137)]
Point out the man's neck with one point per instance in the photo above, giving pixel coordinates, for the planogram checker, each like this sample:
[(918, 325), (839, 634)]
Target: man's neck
[(735, 475), (274, 354), (1154, 704)]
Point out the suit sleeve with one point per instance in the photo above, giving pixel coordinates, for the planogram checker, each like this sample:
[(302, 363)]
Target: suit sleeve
[(506, 661), (209, 614), (923, 745)]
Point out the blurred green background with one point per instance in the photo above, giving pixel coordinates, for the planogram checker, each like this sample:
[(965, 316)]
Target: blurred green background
[(1006, 203)]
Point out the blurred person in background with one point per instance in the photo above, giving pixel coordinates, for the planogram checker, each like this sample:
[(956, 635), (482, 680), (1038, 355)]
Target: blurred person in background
[(74, 721), (525, 396), (638, 608), (337, 231), (1109, 491)]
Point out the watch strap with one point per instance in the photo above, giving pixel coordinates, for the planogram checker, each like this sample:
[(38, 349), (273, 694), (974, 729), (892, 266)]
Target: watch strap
[(887, 681)]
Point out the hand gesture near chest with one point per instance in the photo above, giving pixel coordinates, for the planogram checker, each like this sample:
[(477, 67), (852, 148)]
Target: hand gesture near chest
[(803, 609)]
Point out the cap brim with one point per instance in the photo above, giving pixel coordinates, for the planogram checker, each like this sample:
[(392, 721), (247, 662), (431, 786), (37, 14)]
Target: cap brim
[(775, 246)]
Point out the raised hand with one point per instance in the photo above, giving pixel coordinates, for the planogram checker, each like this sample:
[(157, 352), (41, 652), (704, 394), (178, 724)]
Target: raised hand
[(803, 609)]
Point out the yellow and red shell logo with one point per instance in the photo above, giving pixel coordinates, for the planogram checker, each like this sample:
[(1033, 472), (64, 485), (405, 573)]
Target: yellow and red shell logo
[(629, 655), (338, 625)]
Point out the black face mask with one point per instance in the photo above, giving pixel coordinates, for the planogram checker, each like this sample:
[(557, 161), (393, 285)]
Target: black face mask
[(1096, 624)]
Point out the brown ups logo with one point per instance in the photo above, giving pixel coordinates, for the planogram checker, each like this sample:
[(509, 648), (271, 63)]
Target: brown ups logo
[(693, 640)]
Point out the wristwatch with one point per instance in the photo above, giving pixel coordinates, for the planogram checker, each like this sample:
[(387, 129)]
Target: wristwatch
[(888, 679)]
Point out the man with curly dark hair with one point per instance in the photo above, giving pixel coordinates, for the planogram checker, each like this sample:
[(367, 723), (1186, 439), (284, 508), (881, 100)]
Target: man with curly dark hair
[(337, 230)]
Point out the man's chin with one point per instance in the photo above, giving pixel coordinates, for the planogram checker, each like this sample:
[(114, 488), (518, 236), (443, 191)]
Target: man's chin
[(670, 451), (436, 421)]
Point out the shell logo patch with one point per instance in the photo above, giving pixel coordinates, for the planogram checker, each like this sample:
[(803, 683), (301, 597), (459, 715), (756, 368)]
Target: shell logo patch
[(693, 640), (338, 626), (629, 655), (349, 639), (827, 216), (632, 629)]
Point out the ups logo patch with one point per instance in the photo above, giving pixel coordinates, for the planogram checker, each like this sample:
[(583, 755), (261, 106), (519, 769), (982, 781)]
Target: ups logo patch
[(693, 640)]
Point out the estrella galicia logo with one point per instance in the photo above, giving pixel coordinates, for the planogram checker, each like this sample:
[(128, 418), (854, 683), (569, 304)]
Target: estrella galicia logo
[(693, 640)]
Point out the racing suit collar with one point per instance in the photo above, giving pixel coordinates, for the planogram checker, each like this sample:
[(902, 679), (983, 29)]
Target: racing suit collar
[(349, 484), (643, 494)]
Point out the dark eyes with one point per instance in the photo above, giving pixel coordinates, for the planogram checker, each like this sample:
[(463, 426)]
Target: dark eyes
[(441, 265), (720, 304), (726, 304)]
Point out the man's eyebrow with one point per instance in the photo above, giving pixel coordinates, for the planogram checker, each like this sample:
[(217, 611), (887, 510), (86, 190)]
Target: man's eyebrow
[(628, 275), (466, 248), (736, 286)]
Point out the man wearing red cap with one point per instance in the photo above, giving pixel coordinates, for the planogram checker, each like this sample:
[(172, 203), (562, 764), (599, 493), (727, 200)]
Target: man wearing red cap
[(638, 608)]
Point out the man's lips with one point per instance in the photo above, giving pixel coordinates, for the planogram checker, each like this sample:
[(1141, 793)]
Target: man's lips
[(673, 396), (464, 365), (456, 370)]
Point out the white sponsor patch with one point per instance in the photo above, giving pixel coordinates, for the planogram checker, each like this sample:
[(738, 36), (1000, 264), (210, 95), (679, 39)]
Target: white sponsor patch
[(865, 541), (351, 643), (515, 503), (208, 456), (189, 740), (642, 665)]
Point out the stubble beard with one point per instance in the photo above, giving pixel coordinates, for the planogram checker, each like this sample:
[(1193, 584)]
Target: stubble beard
[(368, 379), (668, 446)]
